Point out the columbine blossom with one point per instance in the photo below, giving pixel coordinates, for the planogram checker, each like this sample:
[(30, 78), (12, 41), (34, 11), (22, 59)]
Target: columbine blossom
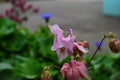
[(58, 45), (75, 71), (64, 46)]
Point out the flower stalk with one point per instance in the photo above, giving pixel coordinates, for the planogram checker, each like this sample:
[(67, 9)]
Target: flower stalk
[(97, 49)]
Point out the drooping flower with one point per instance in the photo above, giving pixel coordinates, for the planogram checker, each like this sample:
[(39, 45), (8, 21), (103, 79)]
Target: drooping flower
[(75, 71), (58, 45), (64, 46), (47, 17), (66, 71)]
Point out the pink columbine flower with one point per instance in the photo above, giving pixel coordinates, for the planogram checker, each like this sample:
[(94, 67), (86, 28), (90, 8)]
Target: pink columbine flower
[(64, 46), (75, 71), (58, 45)]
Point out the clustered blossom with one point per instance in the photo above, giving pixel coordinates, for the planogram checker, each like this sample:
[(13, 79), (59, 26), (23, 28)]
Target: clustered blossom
[(19, 10), (75, 71), (68, 46), (65, 46)]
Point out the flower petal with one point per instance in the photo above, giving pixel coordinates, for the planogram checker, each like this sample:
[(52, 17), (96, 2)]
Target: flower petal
[(59, 34), (83, 70), (65, 70), (69, 44), (61, 54), (81, 48), (55, 29)]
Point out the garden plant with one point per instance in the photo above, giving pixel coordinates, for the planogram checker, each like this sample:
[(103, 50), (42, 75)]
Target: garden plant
[(51, 54)]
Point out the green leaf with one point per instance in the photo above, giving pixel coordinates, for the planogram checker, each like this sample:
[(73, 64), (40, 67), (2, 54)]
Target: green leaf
[(30, 68), (15, 41), (6, 26), (5, 66)]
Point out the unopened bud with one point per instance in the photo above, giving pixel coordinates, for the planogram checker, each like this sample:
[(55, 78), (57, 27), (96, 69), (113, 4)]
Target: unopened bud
[(29, 7), (36, 10), (86, 44), (46, 75), (114, 45)]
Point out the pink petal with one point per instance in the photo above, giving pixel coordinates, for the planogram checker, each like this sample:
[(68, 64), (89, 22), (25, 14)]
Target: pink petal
[(59, 34), (83, 70), (76, 75), (57, 42), (61, 54), (69, 44), (66, 71), (81, 48), (55, 29)]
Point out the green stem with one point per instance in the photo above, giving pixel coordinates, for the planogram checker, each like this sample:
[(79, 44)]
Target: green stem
[(96, 50), (55, 67)]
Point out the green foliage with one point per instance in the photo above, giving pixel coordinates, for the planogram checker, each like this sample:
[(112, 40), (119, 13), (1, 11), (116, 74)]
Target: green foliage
[(23, 55), (5, 66), (6, 27), (105, 67)]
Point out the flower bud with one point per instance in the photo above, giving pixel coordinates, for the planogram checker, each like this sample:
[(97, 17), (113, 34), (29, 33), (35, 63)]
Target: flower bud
[(86, 44), (46, 75), (114, 45), (29, 6), (110, 35), (36, 10)]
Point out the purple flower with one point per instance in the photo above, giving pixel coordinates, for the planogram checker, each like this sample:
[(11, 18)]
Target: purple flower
[(47, 16), (98, 43)]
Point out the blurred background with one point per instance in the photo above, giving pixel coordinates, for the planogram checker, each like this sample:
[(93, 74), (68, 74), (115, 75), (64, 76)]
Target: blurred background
[(85, 17), (90, 19)]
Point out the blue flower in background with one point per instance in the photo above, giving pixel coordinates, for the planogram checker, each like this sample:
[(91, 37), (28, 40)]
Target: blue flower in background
[(47, 17), (97, 43)]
